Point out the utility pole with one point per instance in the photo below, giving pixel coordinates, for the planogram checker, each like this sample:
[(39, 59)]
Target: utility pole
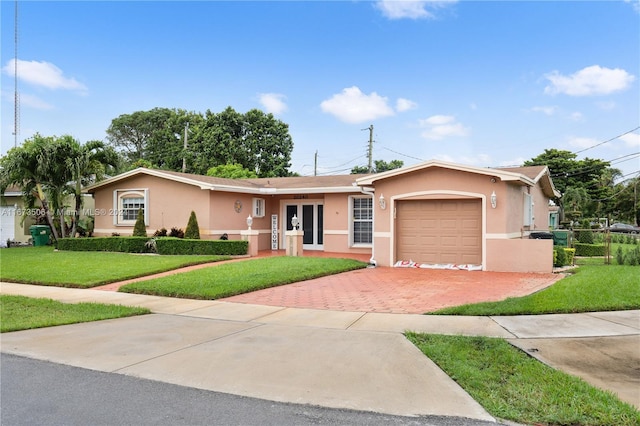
[(315, 164), (370, 152), (184, 154)]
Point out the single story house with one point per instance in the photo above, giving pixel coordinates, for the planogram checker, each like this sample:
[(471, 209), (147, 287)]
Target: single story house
[(432, 213)]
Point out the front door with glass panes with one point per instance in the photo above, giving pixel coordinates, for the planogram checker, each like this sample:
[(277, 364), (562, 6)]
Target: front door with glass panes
[(311, 219)]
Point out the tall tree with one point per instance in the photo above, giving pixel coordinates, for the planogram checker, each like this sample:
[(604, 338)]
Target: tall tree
[(568, 172), (255, 140), (132, 133), (379, 166), (37, 167), (88, 164), (231, 171)]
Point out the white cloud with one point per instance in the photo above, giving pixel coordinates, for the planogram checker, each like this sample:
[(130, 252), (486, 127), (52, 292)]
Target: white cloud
[(34, 102), (635, 4), (405, 105), (273, 102), (353, 106), (516, 162), (593, 80), (411, 9), (631, 139), (43, 74), (546, 110), (442, 126)]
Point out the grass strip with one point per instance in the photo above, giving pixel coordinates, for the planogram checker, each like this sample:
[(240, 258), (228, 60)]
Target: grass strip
[(241, 277), (590, 289), (44, 266), (23, 313), (513, 386)]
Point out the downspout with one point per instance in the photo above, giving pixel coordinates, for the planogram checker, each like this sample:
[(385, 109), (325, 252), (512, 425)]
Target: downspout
[(370, 192)]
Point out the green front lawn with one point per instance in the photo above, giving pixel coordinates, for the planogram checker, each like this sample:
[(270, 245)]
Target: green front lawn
[(44, 266), (22, 313), (590, 289), (511, 385), (242, 277)]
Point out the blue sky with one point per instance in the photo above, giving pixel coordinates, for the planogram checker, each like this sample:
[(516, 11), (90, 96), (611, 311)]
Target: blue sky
[(481, 83)]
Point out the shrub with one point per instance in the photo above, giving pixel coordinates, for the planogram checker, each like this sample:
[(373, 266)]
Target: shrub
[(162, 232), (632, 257), (140, 229), (620, 256), (570, 254), (560, 256), (193, 230), (585, 236), (165, 245), (176, 233), (118, 244), (589, 250), (171, 246)]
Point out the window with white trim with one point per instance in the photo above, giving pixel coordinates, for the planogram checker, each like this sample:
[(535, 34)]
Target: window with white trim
[(127, 203), (258, 207), (362, 217)]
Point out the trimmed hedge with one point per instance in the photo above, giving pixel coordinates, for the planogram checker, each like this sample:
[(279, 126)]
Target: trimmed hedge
[(119, 244), (212, 247), (589, 249), (165, 245)]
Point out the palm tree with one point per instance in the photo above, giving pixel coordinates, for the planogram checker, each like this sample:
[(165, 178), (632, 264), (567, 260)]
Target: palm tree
[(28, 167), (88, 165)]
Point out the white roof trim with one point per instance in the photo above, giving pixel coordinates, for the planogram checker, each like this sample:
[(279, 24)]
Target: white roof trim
[(502, 175), (225, 188), (152, 172)]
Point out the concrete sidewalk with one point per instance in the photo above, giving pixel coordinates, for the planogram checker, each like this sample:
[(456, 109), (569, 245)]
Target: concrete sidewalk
[(336, 359)]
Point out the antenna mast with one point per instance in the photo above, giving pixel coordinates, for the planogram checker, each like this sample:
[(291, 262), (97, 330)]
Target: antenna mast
[(16, 96)]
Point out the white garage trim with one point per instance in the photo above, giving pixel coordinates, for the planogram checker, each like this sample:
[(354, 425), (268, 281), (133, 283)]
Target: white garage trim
[(462, 194)]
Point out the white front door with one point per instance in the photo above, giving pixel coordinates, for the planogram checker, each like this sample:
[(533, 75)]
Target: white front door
[(311, 218)]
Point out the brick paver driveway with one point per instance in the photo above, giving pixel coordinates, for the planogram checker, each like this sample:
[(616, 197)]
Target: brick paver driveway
[(399, 290)]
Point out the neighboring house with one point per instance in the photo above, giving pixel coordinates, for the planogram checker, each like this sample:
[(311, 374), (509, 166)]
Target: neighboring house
[(432, 213), (12, 213), (16, 218)]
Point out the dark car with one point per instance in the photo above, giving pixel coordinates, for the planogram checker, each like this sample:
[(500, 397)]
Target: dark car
[(624, 228)]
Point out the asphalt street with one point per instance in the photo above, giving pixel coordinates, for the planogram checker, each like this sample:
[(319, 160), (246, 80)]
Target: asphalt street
[(37, 392)]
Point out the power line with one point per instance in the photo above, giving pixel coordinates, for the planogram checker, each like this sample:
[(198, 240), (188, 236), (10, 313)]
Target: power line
[(404, 155), (609, 140)]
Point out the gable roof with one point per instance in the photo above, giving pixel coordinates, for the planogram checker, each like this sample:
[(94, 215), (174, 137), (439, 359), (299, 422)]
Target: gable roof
[(277, 185), (529, 176)]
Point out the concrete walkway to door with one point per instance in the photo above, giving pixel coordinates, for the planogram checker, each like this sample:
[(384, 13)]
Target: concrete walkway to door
[(398, 290)]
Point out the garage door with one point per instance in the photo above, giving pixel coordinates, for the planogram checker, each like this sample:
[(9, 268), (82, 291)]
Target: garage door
[(439, 231)]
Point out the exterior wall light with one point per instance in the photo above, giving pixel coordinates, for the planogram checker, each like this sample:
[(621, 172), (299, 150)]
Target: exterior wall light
[(249, 222), (494, 200), (382, 202), (295, 222)]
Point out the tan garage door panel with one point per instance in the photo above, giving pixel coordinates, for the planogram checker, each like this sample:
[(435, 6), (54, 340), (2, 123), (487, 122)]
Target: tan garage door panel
[(439, 231)]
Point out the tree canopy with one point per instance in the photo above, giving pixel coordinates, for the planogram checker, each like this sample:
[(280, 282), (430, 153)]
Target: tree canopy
[(256, 141), (586, 185), (379, 166), (49, 169)]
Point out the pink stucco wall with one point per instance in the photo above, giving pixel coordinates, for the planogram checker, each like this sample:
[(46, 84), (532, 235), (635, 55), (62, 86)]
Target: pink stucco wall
[(170, 204), (520, 255), (504, 237)]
